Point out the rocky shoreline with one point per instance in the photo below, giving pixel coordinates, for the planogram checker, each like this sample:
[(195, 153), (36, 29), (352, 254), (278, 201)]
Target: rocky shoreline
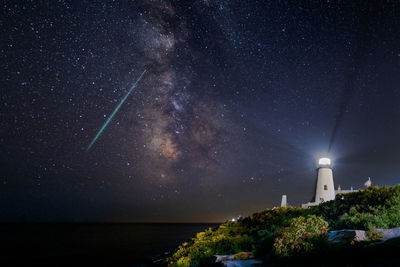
[(391, 240)]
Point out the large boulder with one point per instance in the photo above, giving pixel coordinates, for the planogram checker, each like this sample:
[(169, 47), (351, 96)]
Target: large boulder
[(237, 256), (243, 263), (241, 259), (389, 233), (345, 236), (222, 258), (243, 256)]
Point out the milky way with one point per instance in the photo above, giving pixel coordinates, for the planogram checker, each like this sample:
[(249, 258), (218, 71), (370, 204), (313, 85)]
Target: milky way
[(174, 126)]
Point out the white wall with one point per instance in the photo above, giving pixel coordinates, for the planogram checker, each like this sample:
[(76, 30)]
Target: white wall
[(325, 190)]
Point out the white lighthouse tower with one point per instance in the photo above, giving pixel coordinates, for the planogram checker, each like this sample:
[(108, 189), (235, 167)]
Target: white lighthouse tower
[(325, 189)]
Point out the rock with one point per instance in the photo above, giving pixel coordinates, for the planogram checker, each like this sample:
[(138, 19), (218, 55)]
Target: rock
[(389, 233), (345, 236), (241, 259), (243, 263), (243, 256), (237, 256), (359, 235), (221, 258)]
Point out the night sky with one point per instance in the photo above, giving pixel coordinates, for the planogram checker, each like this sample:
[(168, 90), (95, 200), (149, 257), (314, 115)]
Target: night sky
[(238, 100)]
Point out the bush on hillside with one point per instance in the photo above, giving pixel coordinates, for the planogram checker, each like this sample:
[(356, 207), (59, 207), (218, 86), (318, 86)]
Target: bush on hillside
[(365, 202), (227, 239), (383, 216), (303, 235)]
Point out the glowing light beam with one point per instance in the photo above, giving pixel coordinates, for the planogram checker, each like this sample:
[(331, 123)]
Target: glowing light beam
[(115, 111)]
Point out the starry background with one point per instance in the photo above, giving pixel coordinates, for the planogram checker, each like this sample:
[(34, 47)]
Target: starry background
[(239, 99)]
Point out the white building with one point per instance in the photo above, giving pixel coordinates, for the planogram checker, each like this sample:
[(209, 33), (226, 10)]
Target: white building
[(284, 201), (325, 187)]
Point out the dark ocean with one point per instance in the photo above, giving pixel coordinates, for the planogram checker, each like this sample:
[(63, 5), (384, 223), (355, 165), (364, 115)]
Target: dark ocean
[(105, 244)]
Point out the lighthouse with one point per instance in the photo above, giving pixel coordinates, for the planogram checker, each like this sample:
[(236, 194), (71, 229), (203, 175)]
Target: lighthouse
[(325, 189)]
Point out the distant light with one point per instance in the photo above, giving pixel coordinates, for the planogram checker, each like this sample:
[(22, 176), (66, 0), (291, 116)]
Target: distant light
[(233, 220), (324, 162)]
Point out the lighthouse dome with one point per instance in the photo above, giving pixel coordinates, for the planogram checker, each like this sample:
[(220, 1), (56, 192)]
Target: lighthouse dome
[(324, 162)]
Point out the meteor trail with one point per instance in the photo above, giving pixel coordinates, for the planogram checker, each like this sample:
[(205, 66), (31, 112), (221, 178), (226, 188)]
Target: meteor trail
[(115, 111)]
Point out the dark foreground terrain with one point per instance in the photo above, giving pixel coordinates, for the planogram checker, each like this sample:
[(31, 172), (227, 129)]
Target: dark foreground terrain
[(291, 236), (124, 244)]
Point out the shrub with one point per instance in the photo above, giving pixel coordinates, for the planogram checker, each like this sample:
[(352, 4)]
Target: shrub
[(227, 239), (389, 215), (365, 202), (303, 235), (357, 220), (385, 216), (371, 235)]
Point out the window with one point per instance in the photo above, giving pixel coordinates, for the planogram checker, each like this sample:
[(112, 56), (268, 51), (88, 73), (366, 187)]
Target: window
[(325, 187)]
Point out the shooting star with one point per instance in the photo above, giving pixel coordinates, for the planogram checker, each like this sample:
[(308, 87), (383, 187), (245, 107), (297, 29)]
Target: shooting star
[(115, 111)]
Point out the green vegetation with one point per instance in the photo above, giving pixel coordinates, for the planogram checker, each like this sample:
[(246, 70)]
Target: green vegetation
[(373, 236), (228, 238), (381, 216), (284, 233), (305, 234)]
